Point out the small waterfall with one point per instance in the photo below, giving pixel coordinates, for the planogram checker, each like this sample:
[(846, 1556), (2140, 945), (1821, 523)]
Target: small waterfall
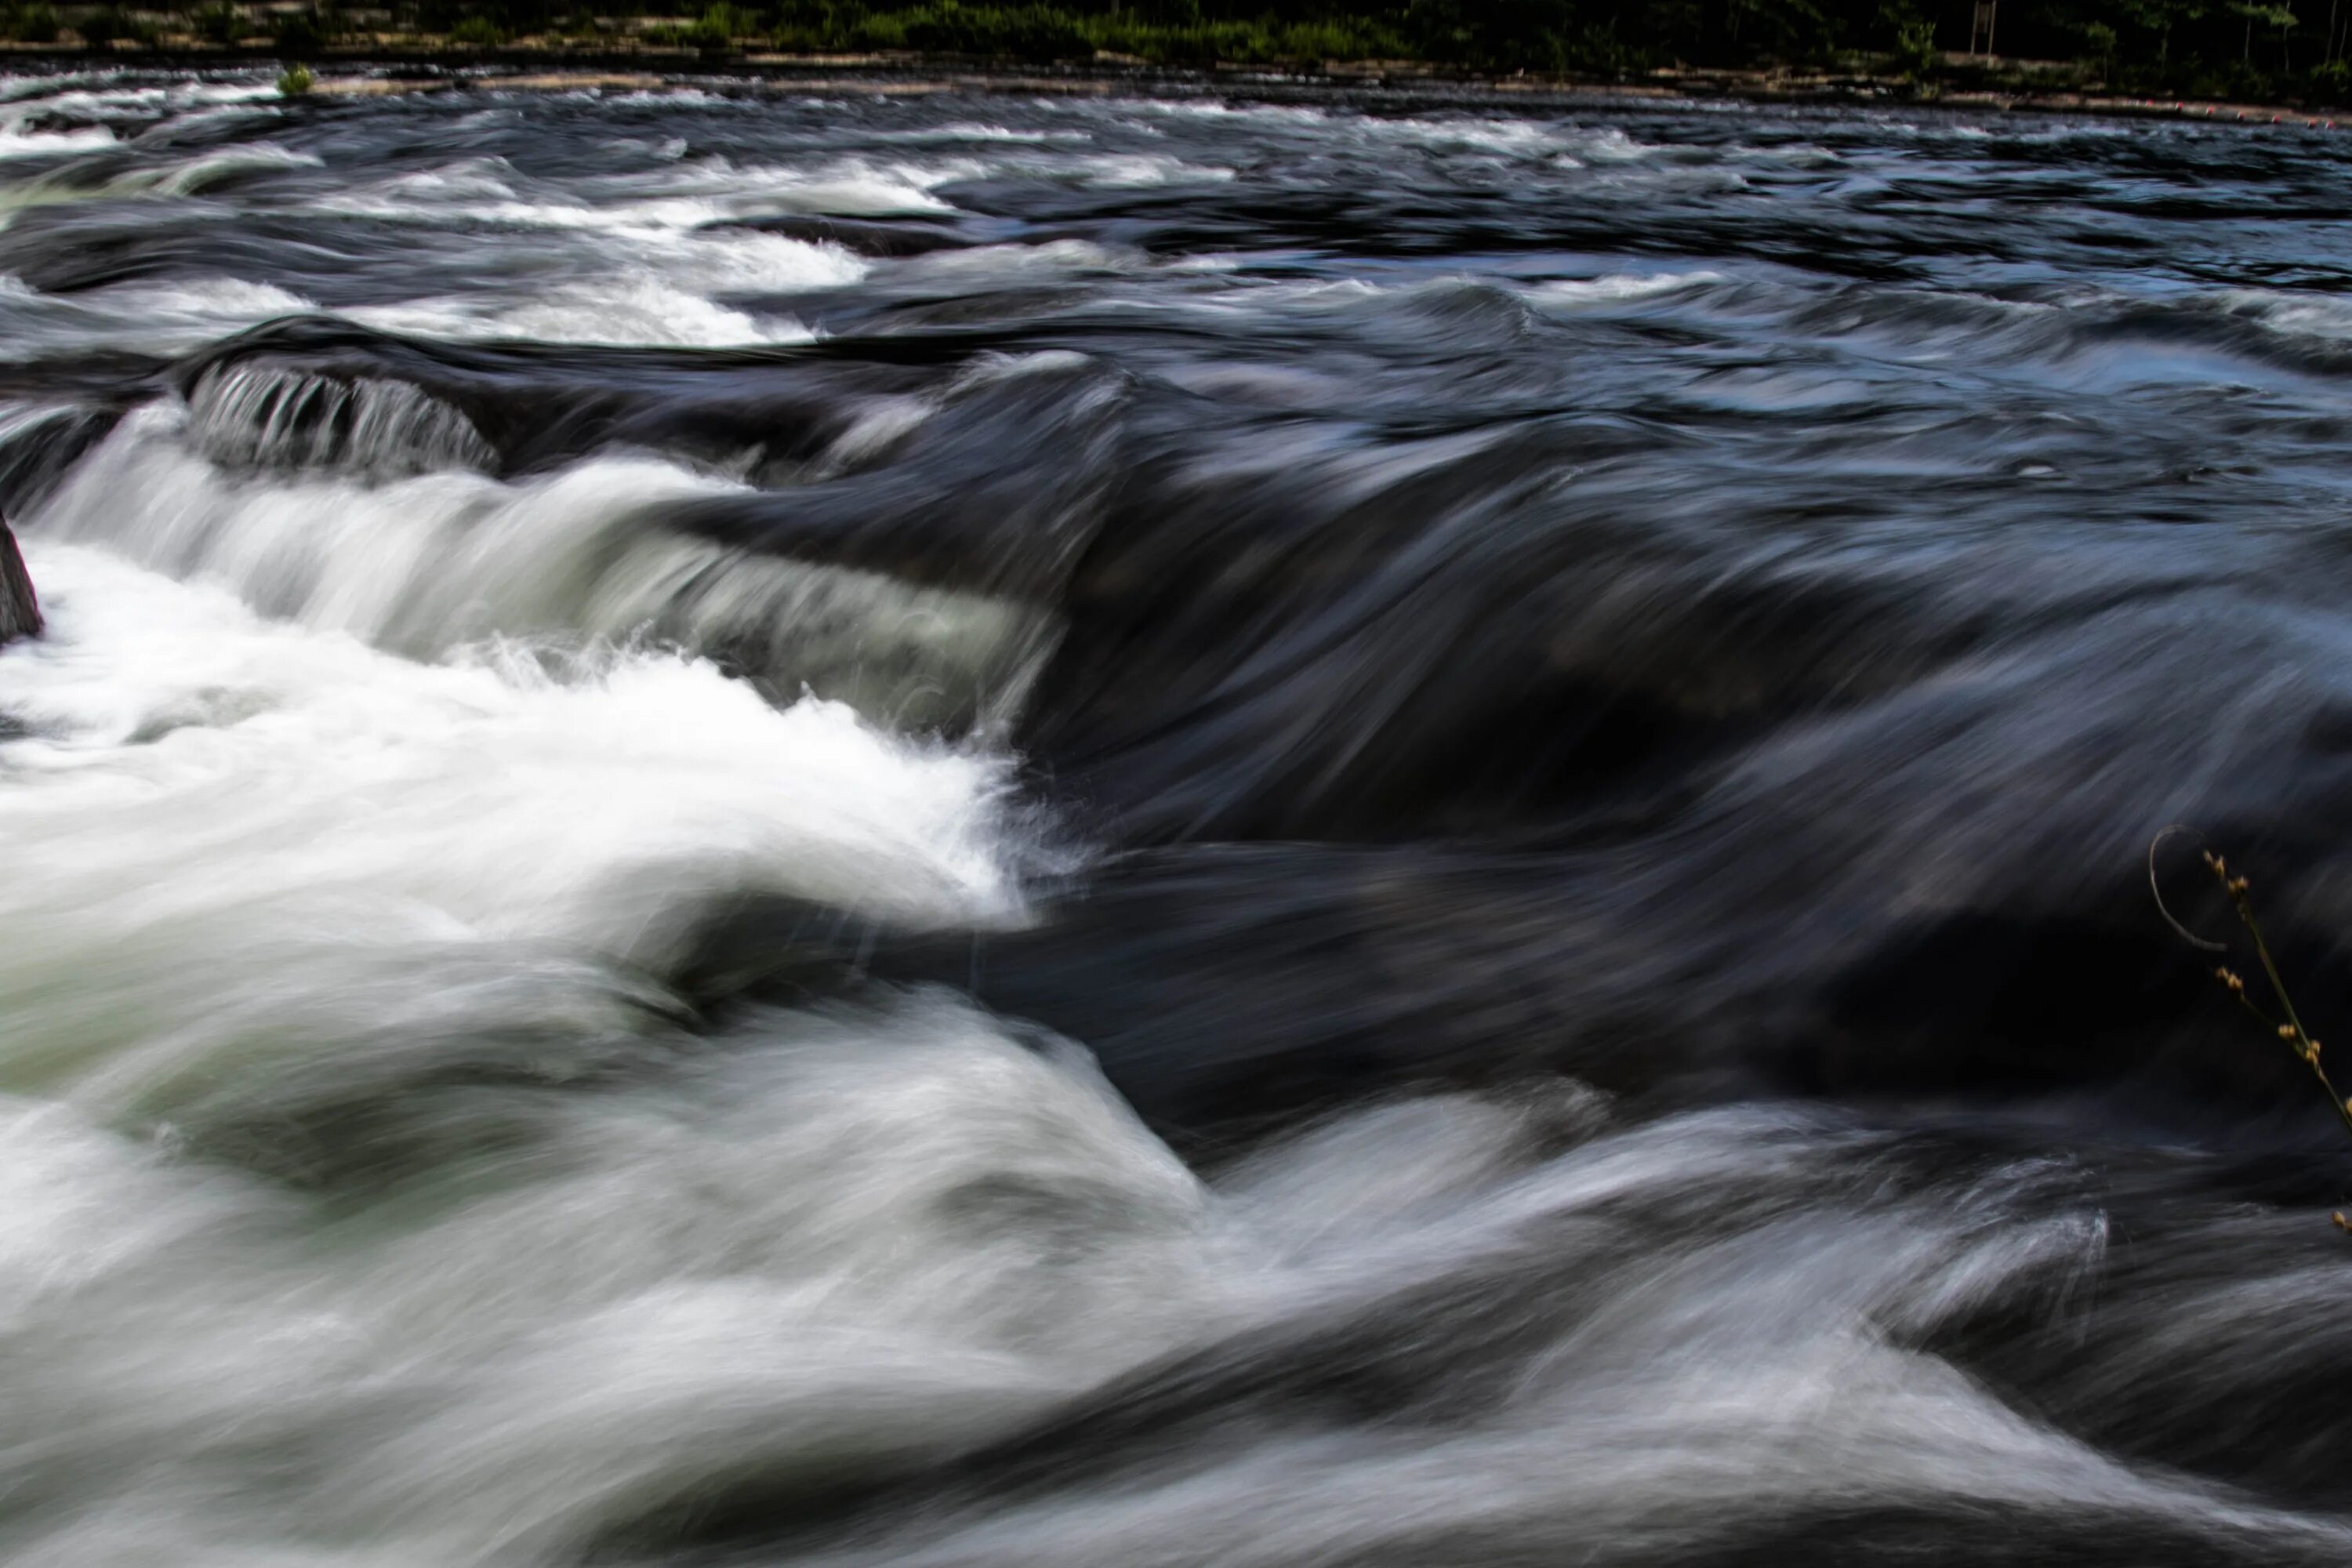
[(262, 416), (424, 565)]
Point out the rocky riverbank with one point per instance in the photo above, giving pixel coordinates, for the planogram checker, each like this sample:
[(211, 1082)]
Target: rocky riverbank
[(405, 62)]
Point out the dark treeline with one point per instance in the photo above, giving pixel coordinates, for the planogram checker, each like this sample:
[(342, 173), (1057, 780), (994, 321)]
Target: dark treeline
[(2200, 47)]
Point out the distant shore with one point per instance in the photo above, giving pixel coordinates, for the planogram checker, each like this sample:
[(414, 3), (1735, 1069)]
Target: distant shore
[(393, 63)]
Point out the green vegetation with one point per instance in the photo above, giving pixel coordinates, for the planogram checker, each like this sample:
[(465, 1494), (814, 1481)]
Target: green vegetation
[(2176, 48), (299, 34), (109, 24), (33, 24)]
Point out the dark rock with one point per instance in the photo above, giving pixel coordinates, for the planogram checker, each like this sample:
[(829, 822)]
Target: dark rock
[(20, 612), (36, 457)]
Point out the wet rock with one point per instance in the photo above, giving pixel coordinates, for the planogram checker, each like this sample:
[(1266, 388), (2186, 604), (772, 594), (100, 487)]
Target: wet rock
[(20, 610)]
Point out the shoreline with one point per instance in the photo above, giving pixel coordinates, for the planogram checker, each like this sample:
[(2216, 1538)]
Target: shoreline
[(374, 68)]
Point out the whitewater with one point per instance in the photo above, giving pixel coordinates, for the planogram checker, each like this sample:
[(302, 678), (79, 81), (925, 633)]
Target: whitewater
[(771, 824)]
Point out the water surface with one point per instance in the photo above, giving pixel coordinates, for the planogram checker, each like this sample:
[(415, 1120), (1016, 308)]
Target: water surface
[(880, 827)]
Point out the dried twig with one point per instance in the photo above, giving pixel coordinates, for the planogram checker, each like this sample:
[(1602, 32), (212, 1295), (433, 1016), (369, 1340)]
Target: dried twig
[(2288, 1027)]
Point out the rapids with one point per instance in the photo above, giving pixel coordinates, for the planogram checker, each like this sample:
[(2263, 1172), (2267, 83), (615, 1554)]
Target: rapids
[(826, 824)]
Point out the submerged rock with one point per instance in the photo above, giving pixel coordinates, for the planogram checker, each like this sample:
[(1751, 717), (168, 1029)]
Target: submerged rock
[(20, 612)]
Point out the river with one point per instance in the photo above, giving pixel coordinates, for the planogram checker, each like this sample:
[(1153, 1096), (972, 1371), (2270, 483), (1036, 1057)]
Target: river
[(812, 822)]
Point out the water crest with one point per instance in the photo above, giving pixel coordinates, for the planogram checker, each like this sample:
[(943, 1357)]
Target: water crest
[(768, 827)]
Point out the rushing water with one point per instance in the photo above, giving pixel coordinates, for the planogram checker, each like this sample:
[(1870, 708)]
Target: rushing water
[(778, 824)]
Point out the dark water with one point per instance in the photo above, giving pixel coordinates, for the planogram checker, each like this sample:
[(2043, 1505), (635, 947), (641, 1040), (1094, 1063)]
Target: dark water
[(899, 827)]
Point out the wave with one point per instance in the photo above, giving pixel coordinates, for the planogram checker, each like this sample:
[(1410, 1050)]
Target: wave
[(431, 562), (1430, 854), (341, 845), (645, 308), (174, 315)]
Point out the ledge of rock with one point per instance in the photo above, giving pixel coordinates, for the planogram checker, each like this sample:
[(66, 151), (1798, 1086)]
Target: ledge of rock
[(20, 610)]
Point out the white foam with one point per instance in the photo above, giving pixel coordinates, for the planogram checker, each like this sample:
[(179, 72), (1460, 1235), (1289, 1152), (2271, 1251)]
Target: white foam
[(259, 841), (93, 95), (1144, 171), (1616, 286), (167, 316), (193, 175), (87, 97), (17, 143), (266, 881), (1052, 257), (637, 308), (1518, 138), (261, 876), (201, 301), (639, 270), (647, 288), (429, 565), (676, 197), (794, 1255), (2281, 310), (857, 189), (975, 131), (1210, 109)]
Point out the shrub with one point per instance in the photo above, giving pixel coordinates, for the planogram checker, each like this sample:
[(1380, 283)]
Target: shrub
[(1508, 35), (726, 22), (220, 24), (478, 33), (298, 34), (1024, 32), (885, 31), (2099, 48), (34, 24), (109, 23), (693, 35), (1914, 36)]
